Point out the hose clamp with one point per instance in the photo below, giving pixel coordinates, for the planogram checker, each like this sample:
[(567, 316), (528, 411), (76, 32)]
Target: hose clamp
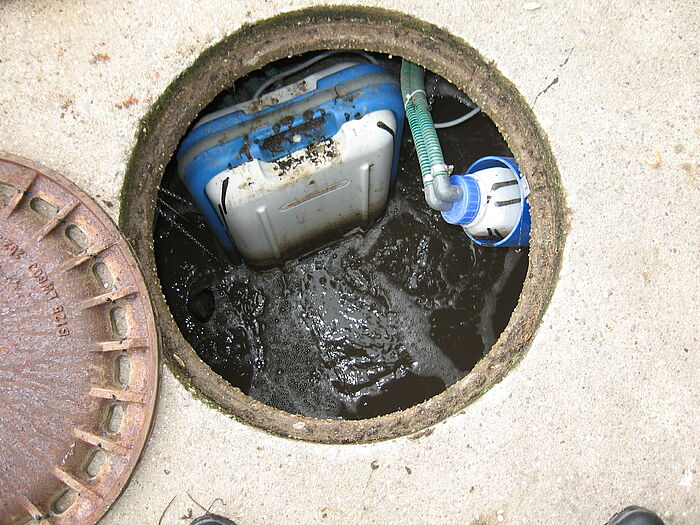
[(437, 169)]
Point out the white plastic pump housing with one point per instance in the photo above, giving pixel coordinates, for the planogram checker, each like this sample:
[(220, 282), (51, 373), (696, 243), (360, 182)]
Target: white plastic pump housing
[(500, 204)]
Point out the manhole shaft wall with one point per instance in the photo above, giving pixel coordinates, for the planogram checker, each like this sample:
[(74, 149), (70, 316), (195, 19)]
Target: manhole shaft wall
[(375, 30)]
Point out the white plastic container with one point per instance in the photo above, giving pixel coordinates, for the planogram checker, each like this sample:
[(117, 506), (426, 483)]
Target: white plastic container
[(281, 209), (286, 173)]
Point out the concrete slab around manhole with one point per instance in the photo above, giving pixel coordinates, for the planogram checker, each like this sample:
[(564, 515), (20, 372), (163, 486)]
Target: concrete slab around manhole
[(602, 411)]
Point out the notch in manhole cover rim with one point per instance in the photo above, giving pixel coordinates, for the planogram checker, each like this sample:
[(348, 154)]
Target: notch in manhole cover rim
[(78, 351)]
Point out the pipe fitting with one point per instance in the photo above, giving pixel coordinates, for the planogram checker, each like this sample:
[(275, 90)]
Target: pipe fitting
[(444, 189), (433, 201)]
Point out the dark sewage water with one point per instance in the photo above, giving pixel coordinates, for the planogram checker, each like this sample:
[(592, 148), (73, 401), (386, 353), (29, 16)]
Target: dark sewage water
[(378, 322)]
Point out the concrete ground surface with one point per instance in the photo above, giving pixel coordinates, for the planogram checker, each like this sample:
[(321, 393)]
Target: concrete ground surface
[(602, 412)]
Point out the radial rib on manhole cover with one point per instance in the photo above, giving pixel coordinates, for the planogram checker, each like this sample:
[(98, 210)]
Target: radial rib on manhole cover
[(78, 352)]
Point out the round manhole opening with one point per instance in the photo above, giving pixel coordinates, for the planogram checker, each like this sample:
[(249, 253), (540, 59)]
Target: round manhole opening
[(381, 319), (79, 357)]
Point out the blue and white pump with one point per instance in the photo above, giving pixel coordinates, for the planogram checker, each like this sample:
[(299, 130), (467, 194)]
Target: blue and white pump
[(490, 200), (493, 209)]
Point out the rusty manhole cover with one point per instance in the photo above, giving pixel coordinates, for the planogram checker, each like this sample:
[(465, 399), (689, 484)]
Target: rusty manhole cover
[(78, 352)]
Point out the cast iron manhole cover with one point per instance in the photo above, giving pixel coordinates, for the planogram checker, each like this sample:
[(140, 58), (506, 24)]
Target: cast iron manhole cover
[(78, 352)]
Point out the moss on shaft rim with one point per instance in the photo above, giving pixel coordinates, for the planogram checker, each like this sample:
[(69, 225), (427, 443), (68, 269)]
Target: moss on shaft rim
[(343, 27)]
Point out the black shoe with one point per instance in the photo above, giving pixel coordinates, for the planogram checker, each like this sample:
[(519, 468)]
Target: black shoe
[(635, 516), (212, 519)]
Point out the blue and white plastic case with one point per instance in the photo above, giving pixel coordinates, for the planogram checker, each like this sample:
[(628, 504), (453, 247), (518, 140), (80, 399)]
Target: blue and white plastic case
[(280, 123)]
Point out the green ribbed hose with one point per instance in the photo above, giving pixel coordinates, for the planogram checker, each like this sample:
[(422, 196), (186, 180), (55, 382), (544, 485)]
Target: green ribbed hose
[(414, 124), (420, 121), (252, 84)]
